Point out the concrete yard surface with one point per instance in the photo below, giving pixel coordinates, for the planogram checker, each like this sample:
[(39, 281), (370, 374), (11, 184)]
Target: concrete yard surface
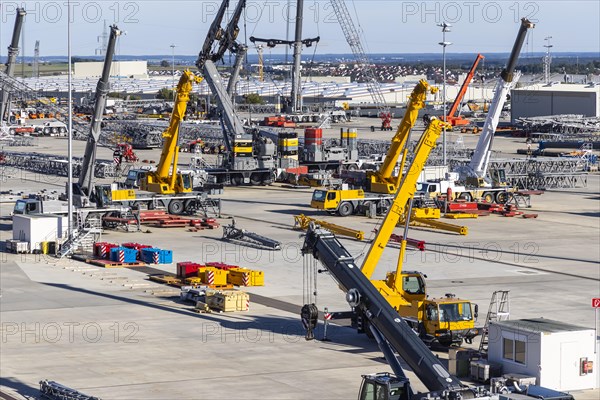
[(114, 334)]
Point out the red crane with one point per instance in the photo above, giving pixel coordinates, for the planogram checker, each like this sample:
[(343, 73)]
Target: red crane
[(459, 120)]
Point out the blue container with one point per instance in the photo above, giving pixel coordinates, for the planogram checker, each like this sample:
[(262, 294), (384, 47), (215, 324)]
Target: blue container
[(148, 255), (129, 255), (166, 256)]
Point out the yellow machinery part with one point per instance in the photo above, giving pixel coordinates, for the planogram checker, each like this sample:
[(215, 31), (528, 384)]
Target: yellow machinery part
[(288, 142), (239, 149), (303, 221), (383, 181), (460, 215), (429, 213), (428, 223), (122, 194)]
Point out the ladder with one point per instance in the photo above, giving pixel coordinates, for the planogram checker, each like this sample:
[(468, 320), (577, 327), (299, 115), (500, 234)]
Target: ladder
[(88, 231), (499, 311)]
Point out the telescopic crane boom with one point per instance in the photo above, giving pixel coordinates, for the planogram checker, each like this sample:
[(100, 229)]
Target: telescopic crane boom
[(13, 51), (383, 180), (166, 179), (451, 117), (362, 295), (85, 185), (508, 77), (404, 194)]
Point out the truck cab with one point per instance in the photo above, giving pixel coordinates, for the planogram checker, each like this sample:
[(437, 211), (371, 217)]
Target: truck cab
[(331, 199), (27, 206), (437, 187), (450, 320), (384, 386), (34, 205)]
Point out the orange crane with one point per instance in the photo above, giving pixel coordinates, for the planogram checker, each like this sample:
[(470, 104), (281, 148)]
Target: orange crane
[(459, 120)]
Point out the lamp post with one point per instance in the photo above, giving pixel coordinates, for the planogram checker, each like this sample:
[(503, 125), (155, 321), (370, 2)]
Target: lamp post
[(69, 130), (547, 60), (173, 67), (443, 43)]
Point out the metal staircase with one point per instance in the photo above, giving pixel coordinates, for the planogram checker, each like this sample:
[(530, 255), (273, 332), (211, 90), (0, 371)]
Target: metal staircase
[(88, 231), (499, 311)]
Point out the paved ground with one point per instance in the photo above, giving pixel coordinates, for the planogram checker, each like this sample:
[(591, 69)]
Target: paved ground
[(115, 335)]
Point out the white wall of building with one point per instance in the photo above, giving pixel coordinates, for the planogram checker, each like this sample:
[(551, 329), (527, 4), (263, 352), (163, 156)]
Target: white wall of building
[(327, 79), (540, 100), (135, 69), (553, 358)]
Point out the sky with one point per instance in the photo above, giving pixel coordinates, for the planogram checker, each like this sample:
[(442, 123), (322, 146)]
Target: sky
[(386, 26)]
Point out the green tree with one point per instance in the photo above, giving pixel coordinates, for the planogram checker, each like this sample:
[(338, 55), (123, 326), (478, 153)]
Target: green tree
[(165, 94), (165, 64), (253, 98)]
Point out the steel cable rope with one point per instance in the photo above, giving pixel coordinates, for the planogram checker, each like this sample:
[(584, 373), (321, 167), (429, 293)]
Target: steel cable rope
[(312, 60), (257, 21)]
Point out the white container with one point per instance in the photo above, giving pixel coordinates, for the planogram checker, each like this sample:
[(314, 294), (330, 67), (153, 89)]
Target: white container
[(560, 356), (38, 228)]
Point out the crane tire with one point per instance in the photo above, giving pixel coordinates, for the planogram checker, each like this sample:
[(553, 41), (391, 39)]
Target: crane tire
[(465, 196), (502, 197), (488, 197), (175, 207), (345, 209)]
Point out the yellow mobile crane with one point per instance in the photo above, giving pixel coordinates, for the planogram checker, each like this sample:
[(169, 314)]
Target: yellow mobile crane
[(166, 179), (381, 184), (447, 320)]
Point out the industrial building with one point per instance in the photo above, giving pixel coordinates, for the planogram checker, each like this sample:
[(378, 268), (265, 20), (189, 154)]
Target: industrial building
[(555, 98), (129, 69)]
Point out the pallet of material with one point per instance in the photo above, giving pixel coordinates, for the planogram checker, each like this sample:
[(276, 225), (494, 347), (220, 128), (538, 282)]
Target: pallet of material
[(167, 280), (227, 300), (178, 222), (245, 277), (202, 307), (114, 264), (178, 282), (152, 215)]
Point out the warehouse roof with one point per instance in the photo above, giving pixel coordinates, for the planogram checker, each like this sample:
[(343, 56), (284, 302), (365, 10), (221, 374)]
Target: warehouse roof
[(561, 87), (539, 325)]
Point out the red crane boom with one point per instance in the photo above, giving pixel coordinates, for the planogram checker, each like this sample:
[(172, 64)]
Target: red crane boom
[(458, 120)]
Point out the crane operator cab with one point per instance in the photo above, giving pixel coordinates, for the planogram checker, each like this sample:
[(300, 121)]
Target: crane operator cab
[(451, 320), (384, 386)]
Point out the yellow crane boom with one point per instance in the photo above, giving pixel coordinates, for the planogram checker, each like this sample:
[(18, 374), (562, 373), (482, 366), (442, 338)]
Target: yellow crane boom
[(166, 180), (404, 194), (383, 181)]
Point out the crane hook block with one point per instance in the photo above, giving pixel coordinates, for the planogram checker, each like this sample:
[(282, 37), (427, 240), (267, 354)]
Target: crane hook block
[(310, 315)]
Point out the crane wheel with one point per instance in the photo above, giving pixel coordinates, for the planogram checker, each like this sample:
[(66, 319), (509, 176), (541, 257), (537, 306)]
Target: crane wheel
[(175, 207), (502, 197), (465, 196), (236, 180), (488, 197), (345, 209), (255, 179), (190, 206)]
